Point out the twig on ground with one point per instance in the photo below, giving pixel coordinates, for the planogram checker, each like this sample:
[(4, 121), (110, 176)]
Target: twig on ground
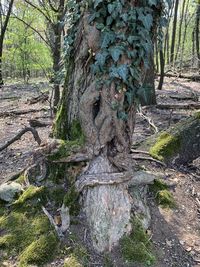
[(19, 135), (149, 120)]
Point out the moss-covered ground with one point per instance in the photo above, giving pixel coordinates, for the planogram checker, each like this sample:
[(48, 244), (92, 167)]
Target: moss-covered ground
[(162, 194), (137, 246)]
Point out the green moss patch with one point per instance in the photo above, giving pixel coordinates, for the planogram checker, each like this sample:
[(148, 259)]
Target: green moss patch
[(39, 251), (162, 194), (137, 246), (25, 231), (166, 146), (30, 193)]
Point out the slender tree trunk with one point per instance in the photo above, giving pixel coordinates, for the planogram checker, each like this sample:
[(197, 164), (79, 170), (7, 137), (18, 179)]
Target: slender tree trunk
[(184, 35), (1, 54), (197, 34), (174, 32), (180, 30), (162, 70), (56, 62)]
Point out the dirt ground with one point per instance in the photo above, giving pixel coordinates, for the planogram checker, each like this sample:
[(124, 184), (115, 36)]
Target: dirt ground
[(175, 233)]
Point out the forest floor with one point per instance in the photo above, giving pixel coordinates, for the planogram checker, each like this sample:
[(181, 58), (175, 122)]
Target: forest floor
[(175, 233)]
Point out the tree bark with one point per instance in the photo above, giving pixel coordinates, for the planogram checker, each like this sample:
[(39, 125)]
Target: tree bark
[(87, 103)]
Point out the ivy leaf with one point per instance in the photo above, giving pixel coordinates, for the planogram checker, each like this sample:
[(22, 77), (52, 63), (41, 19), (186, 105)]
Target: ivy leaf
[(152, 2), (107, 38), (116, 52), (101, 58), (109, 20), (123, 71), (147, 20), (97, 2), (111, 8)]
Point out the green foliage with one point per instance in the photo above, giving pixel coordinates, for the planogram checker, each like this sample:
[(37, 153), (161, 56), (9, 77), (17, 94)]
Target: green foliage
[(125, 31), (137, 247), (162, 194), (24, 51)]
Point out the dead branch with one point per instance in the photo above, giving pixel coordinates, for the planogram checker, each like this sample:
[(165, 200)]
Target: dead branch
[(37, 123), (148, 158), (20, 112), (19, 135), (78, 157), (41, 98), (149, 120), (140, 152), (179, 106)]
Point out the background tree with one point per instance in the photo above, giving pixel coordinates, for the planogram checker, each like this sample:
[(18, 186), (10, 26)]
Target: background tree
[(5, 11), (54, 14)]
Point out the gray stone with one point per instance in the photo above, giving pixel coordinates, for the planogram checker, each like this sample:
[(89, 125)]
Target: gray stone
[(8, 191)]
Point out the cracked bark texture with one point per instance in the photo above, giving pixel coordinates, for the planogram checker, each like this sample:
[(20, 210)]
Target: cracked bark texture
[(107, 206)]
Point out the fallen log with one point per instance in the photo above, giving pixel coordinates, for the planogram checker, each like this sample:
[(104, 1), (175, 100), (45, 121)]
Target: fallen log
[(183, 76), (20, 112), (178, 144), (19, 135), (37, 123), (179, 106)]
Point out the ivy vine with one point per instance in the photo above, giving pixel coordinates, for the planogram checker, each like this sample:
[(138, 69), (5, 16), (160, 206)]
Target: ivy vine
[(126, 31)]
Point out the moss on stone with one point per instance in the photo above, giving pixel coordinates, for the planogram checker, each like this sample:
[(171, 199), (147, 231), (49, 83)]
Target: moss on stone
[(162, 194), (197, 115), (30, 193), (137, 247), (165, 146), (39, 251)]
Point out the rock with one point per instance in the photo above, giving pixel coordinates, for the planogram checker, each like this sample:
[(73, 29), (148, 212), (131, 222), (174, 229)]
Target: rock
[(8, 191), (65, 218)]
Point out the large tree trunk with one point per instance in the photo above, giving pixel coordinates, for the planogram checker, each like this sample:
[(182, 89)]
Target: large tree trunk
[(90, 104)]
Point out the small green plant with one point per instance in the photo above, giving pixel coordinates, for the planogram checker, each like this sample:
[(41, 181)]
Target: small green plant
[(162, 194), (137, 246)]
